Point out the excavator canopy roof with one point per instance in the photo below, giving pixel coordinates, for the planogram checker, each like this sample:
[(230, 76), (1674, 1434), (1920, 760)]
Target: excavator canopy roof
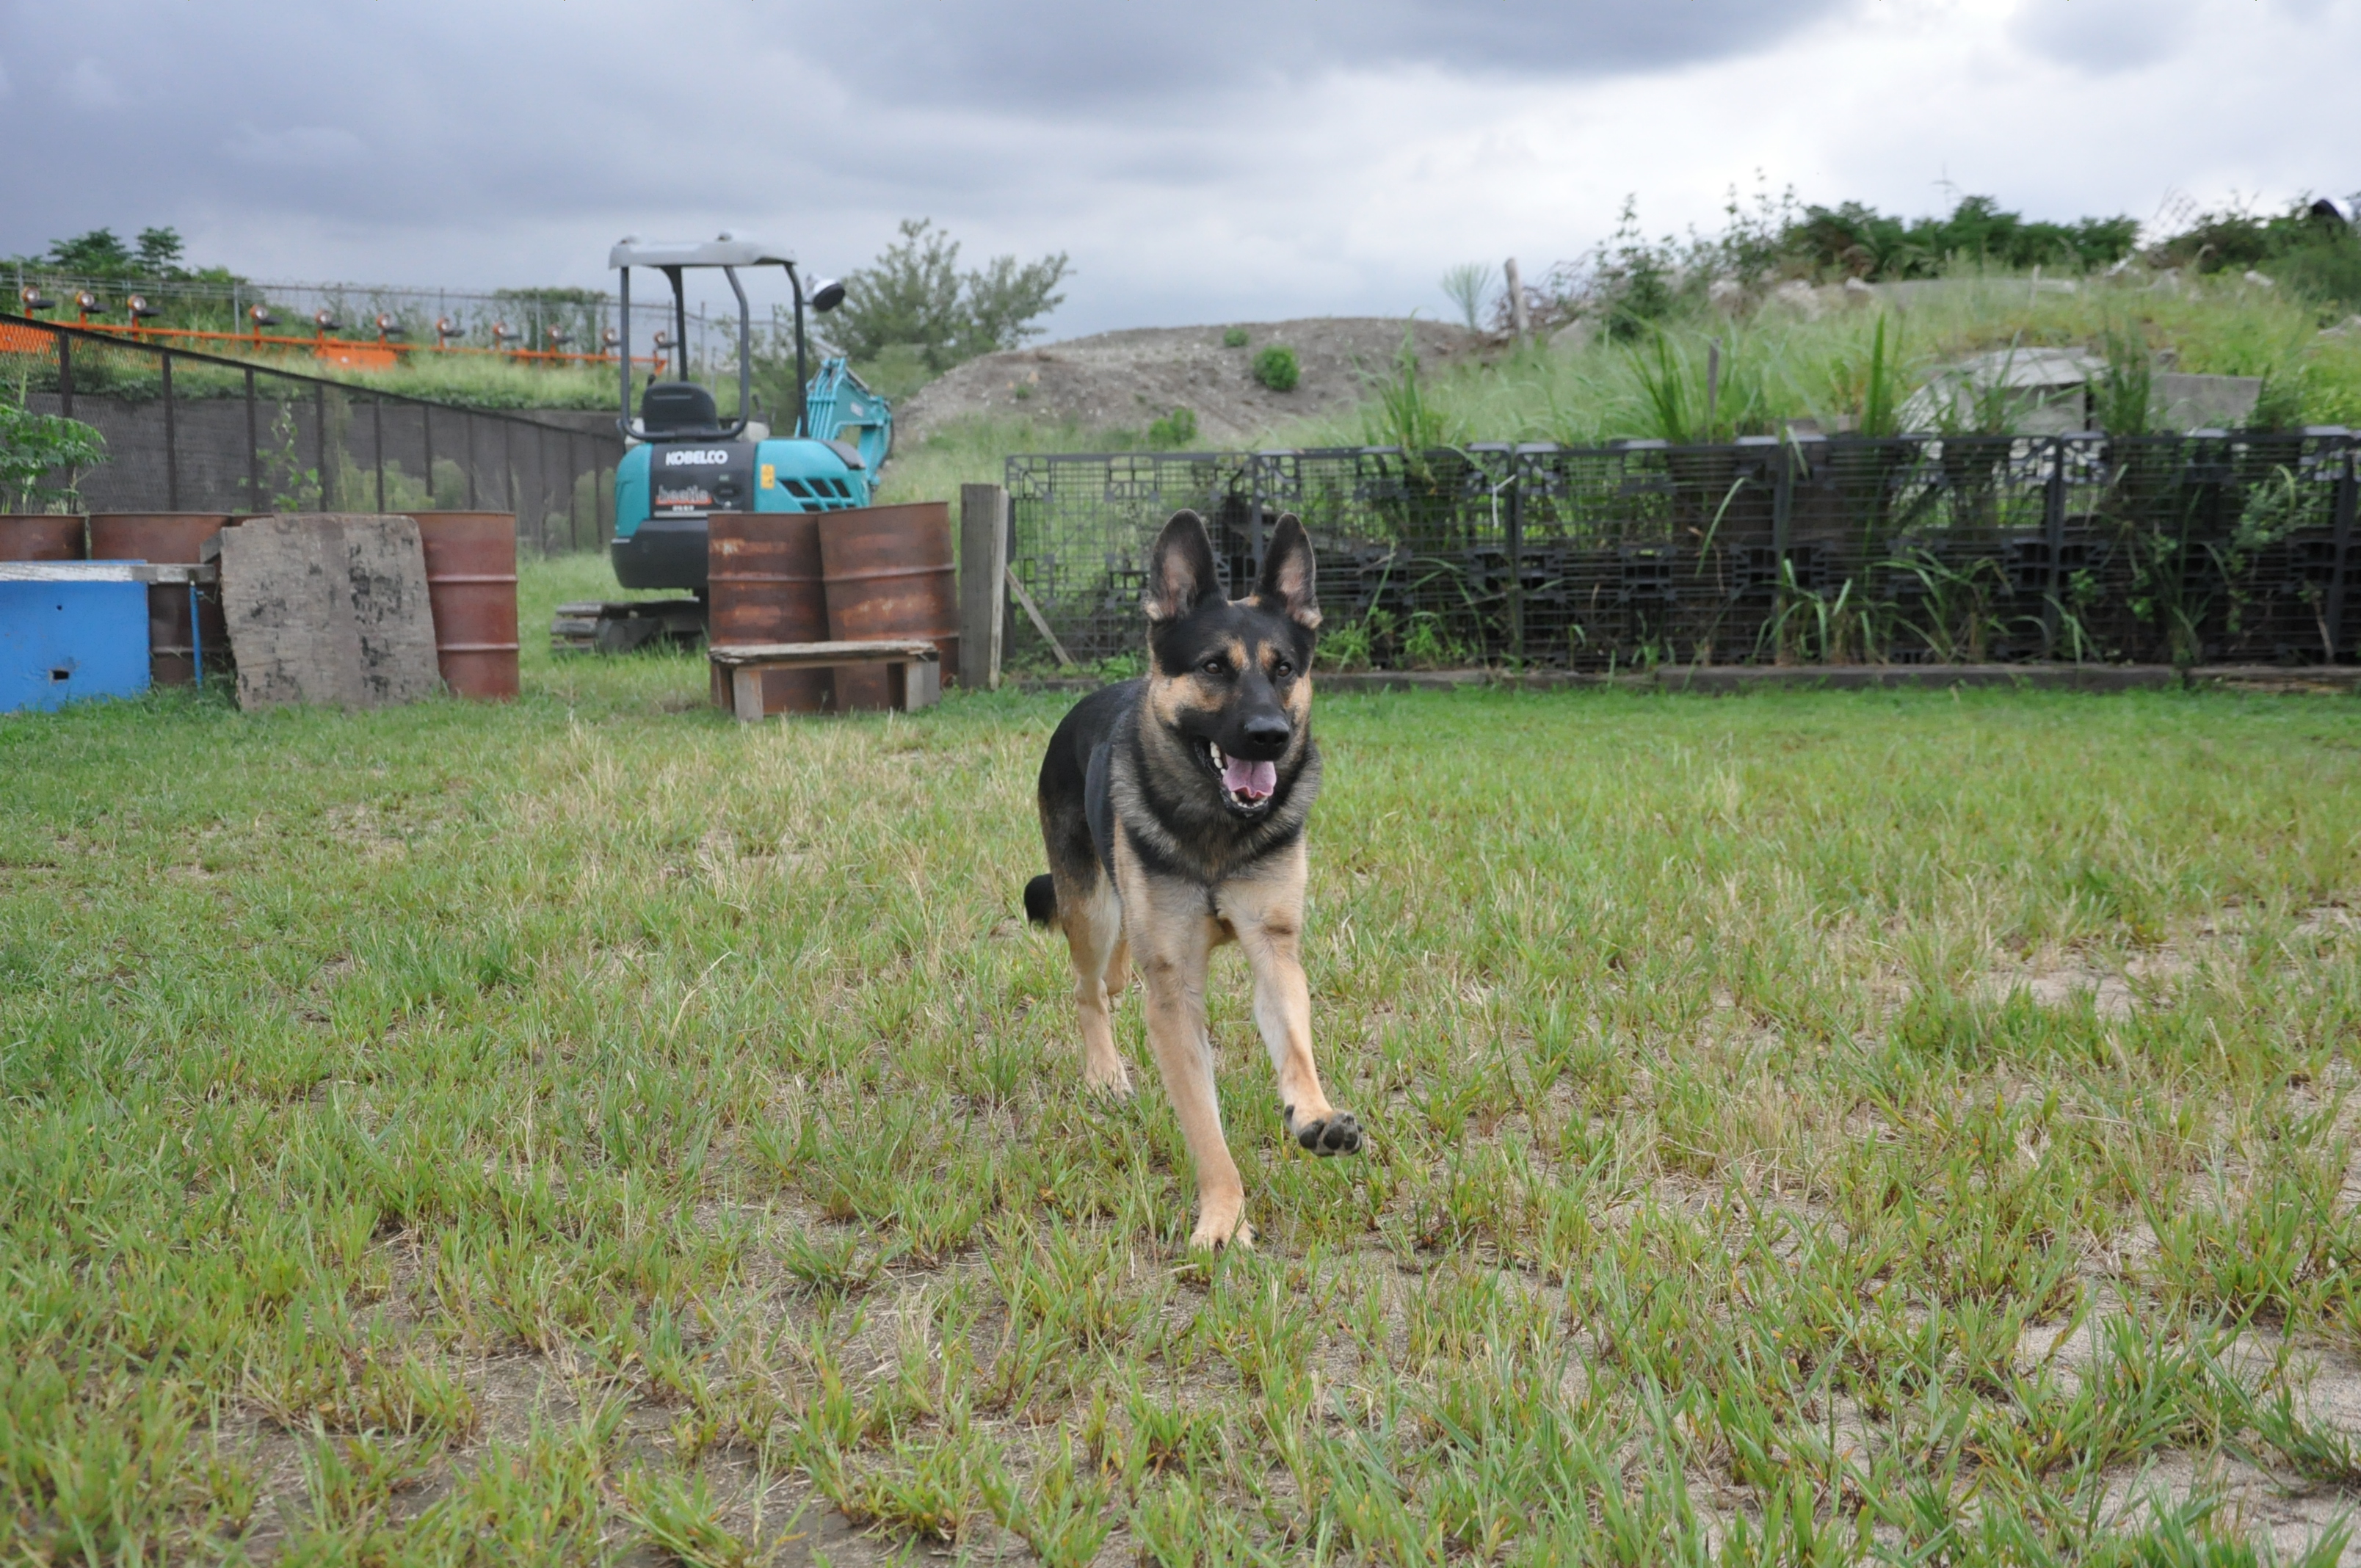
[(727, 251)]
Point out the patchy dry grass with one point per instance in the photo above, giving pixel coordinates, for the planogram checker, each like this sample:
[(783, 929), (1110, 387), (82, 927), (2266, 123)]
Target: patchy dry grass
[(1805, 1128)]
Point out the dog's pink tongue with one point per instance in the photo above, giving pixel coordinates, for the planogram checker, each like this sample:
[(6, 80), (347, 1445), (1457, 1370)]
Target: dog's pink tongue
[(1240, 776)]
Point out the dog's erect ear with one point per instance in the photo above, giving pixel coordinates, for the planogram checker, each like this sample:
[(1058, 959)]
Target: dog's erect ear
[(1288, 582), (1182, 573)]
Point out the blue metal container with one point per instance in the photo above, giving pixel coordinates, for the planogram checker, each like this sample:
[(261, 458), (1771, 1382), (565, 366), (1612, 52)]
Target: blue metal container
[(66, 641)]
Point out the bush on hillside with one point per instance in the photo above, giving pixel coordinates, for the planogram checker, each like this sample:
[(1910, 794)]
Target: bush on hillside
[(1853, 240), (2309, 248), (915, 296)]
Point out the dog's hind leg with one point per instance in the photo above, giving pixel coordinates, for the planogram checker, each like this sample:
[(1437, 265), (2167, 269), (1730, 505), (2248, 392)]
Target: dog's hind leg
[(1093, 918)]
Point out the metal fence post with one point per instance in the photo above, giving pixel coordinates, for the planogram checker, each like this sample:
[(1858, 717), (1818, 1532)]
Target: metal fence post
[(253, 446), (1255, 467), (1516, 543), (2348, 481), (171, 434), (376, 441), (426, 441), (602, 498), (471, 462), (320, 441), (508, 468), (2053, 524), (65, 373)]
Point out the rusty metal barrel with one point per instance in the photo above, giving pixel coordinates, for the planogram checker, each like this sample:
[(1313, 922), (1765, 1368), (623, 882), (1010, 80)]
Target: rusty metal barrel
[(40, 536), (471, 587), (891, 574), (184, 624), (763, 572)]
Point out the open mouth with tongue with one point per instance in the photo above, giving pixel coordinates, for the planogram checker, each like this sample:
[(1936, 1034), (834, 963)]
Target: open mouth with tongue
[(1247, 786)]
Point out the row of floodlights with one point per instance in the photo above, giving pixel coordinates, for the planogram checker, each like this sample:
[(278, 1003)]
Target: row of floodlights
[(324, 322)]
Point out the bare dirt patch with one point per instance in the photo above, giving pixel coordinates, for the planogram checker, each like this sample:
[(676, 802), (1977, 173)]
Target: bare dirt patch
[(1125, 379)]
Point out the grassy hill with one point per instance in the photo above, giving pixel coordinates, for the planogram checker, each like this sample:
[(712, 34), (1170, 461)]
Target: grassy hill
[(1844, 358)]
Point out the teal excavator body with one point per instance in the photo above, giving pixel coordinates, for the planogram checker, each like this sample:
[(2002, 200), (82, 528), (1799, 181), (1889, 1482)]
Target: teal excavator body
[(668, 485), (683, 462)]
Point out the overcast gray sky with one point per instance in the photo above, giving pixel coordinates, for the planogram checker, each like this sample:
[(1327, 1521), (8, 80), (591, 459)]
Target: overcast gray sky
[(1208, 161)]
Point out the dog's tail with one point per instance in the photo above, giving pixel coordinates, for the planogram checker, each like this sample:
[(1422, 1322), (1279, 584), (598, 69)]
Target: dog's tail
[(1041, 900)]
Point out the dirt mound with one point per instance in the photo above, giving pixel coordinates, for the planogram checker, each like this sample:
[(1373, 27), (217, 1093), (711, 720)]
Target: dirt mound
[(1121, 380)]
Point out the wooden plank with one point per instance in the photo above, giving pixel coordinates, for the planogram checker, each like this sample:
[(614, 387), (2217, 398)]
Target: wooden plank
[(1041, 621), (921, 685), (746, 695), (328, 607), (983, 561), (167, 572), (790, 656)]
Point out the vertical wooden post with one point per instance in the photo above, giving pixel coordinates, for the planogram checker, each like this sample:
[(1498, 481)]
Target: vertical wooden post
[(983, 563), (1517, 316)]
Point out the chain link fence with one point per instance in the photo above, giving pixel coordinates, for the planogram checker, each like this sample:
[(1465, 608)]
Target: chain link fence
[(188, 432), (1909, 550)]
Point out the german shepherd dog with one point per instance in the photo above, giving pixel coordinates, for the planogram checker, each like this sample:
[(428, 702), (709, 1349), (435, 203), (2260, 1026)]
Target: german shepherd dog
[(1173, 808)]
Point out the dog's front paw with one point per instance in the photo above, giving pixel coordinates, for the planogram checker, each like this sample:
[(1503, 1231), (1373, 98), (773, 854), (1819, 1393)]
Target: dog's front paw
[(1212, 1235), (1111, 1081), (1221, 1220), (1339, 1132)]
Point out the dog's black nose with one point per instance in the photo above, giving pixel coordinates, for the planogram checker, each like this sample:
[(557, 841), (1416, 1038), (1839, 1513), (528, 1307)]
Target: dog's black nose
[(1268, 734)]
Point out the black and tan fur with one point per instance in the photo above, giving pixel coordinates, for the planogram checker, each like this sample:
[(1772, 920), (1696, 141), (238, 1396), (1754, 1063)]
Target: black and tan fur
[(1155, 858)]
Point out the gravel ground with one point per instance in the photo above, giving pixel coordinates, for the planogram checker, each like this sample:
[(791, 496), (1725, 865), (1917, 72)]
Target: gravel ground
[(1123, 379)]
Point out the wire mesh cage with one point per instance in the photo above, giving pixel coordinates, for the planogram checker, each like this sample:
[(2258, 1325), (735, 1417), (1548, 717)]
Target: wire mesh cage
[(1906, 550)]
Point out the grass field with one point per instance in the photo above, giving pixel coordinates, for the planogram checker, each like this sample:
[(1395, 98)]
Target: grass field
[(1807, 1128)]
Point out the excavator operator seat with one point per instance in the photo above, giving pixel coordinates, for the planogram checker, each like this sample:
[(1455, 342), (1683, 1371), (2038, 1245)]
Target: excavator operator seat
[(678, 409)]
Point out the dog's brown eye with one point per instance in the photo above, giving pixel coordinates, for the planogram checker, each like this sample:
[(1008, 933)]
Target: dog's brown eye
[(1282, 668), (1214, 667)]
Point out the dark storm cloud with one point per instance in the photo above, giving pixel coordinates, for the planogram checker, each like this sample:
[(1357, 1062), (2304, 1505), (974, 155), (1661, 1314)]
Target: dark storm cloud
[(1077, 52), (453, 114)]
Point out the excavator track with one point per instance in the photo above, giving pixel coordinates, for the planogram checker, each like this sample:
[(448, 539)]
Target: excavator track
[(619, 626)]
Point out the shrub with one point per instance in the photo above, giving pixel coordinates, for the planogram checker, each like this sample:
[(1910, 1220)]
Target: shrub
[(1276, 368), (1173, 432), (33, 445), (1235, 339), (914, 293)]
